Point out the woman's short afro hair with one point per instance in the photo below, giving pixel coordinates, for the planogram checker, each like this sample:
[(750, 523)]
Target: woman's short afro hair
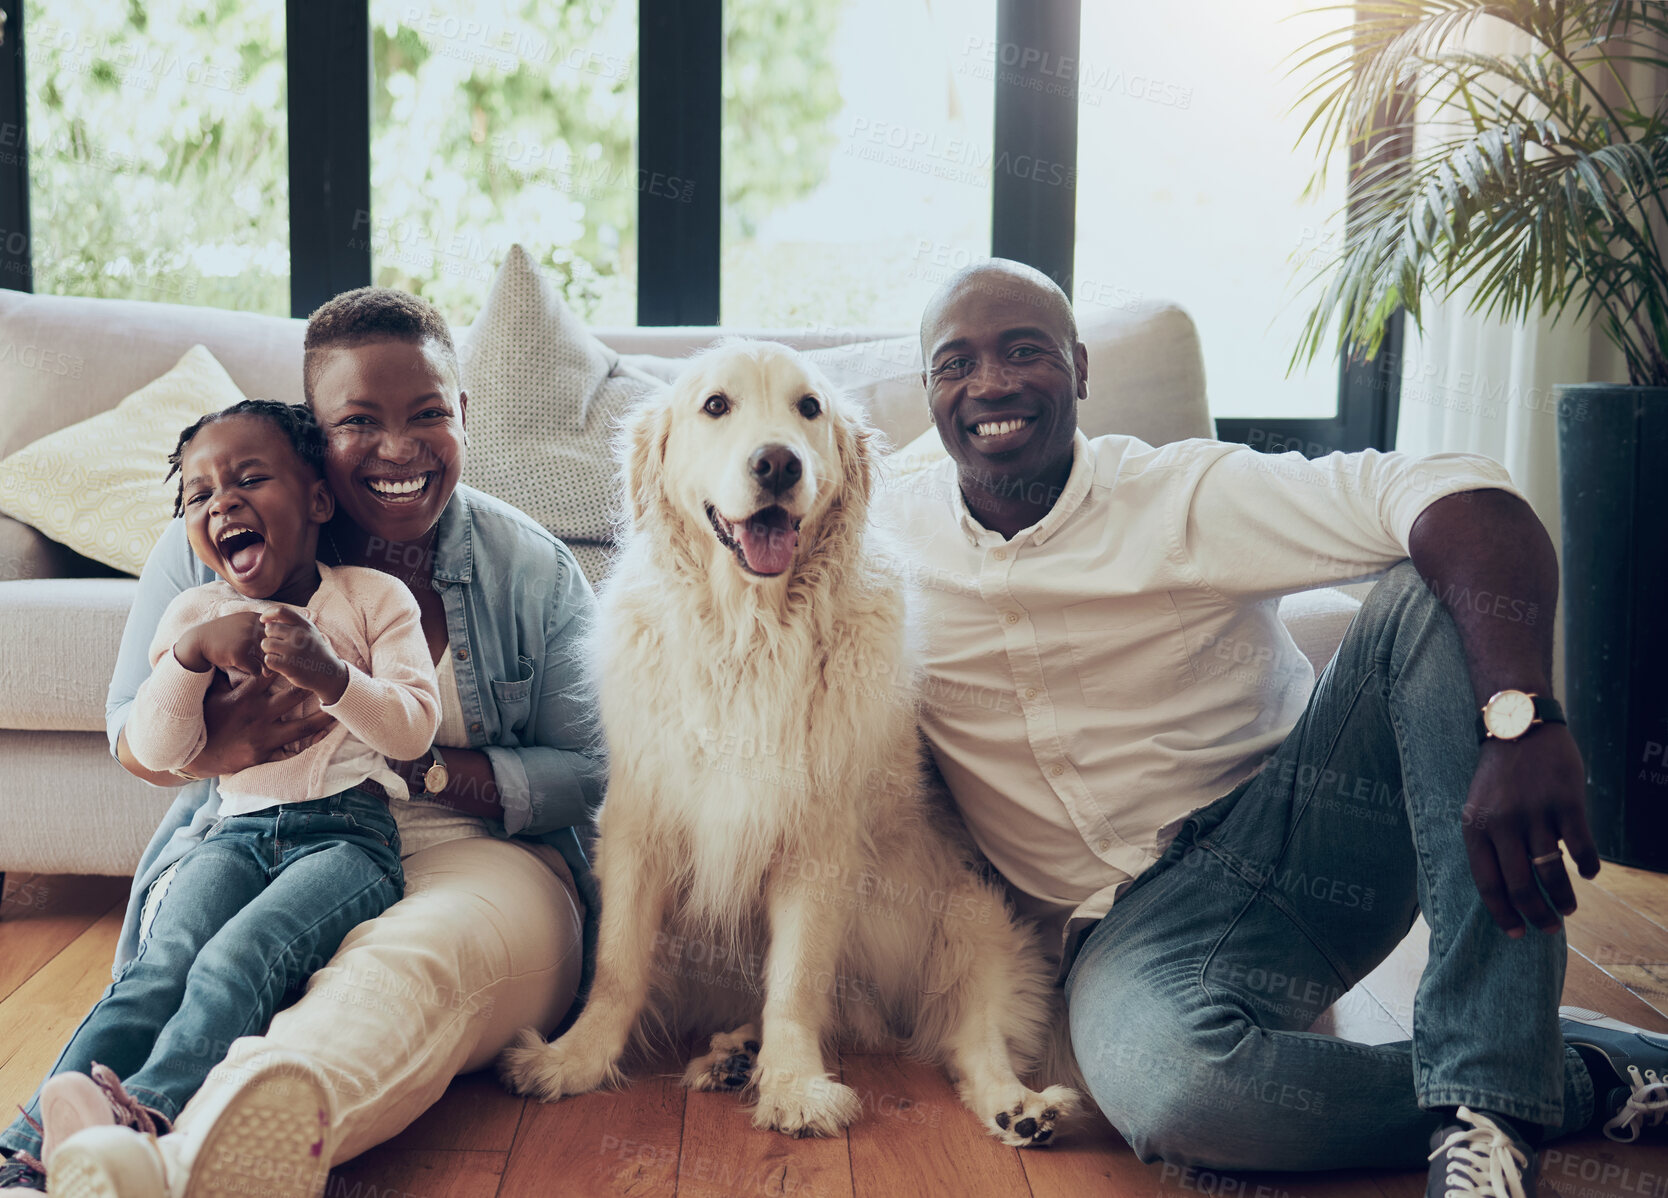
[(368, 314)]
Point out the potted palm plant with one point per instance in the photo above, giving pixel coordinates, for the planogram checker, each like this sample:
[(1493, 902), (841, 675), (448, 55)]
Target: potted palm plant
[(1535, 184)]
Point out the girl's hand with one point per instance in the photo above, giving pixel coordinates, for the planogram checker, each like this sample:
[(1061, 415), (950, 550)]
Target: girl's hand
[(252, 723), (229, 643), (299, 652)]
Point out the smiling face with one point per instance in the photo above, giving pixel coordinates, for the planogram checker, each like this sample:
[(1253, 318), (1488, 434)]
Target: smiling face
[(1004, 374), (253, 508), (393, 417), (752, 452)]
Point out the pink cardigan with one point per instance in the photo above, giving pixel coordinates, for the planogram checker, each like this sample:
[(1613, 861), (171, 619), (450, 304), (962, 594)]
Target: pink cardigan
[(392, 701)]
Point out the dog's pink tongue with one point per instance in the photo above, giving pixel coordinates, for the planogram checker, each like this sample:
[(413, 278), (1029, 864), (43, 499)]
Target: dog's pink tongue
[(768, 541)]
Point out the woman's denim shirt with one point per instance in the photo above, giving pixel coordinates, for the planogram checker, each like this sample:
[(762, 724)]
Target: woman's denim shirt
[(518, 611)]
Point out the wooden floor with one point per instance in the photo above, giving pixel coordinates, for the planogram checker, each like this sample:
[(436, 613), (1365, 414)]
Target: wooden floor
[(654, 1140)]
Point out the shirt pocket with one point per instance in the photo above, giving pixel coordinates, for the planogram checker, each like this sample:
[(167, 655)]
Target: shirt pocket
[(514, 696), (1129, 653)]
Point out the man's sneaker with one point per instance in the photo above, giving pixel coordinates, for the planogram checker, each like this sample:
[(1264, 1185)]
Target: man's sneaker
[(269, 1139), (1637, 1095), (1476, 1157), (71, 1102), (21, 1174)]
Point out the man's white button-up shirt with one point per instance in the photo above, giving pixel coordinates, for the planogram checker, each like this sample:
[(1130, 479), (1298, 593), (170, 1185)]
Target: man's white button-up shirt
[(1121, 663)]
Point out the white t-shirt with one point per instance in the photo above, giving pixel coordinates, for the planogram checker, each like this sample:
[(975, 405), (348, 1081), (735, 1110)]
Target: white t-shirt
[(1121, 663)]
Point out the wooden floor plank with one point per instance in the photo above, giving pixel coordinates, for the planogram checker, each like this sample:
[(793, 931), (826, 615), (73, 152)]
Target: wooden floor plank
[(1615, 936), (1361, 1017), (1642, 889), (1396, 980), (475, 1114), (723, 1154), (614, 1142), (40, 914), (917, 1138), (1091, 1158), (389, 1172), (37, 1018)]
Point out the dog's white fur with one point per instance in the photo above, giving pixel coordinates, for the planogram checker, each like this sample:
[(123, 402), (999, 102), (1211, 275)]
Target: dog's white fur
[(768, 849)]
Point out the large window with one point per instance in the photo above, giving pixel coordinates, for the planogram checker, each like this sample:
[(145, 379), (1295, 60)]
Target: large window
[(158, 151), (1189, 187), (745, 162), (498, 121), (856, 167)]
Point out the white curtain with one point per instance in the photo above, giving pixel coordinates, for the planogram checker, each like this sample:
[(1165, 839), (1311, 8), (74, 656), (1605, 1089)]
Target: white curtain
[(1482, 386)]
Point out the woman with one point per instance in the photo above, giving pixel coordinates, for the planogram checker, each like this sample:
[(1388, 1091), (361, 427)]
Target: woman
[(489, 936)]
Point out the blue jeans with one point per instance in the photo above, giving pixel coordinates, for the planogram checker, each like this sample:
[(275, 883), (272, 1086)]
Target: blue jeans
[(1189, 1001), (249, 914)]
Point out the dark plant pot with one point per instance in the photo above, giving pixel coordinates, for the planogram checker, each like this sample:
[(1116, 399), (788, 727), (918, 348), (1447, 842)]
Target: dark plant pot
[(1613, 476)]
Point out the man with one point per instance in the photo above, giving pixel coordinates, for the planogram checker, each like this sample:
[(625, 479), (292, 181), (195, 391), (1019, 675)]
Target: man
[(1129, 732)]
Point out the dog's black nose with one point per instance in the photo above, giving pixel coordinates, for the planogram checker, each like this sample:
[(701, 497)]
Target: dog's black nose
[(775, 467)]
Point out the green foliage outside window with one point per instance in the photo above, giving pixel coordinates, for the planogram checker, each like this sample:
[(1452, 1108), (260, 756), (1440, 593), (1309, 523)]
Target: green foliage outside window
[(159, 146)]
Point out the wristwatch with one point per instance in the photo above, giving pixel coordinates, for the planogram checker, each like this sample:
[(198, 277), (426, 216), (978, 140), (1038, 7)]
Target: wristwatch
[(1509, 714), (436, 776)]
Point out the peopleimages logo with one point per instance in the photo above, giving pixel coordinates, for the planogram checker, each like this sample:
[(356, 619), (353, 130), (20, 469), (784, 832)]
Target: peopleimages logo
[(1089, 82)]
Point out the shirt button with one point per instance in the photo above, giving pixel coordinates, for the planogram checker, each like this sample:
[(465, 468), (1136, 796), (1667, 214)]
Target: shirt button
[(1054, 771), (463, 655), (1030, 692), (1000, 555), (1102, 845), (440, 584), (475, 727), (1010, 617)]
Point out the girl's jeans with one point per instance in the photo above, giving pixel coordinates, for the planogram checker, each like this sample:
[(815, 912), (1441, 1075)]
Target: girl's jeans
[(247, 915), (1190, 1001)]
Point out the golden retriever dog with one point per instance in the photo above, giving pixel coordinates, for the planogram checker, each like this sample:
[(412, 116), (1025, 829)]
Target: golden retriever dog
[(769, 852)]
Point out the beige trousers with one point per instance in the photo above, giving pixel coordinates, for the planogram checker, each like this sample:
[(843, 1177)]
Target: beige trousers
[(485, 942)]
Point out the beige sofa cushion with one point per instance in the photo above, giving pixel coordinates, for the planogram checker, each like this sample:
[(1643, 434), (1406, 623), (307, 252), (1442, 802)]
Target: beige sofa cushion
[(59, 650), (101, 350), (101, 486), (1146, 371), (545, 399)]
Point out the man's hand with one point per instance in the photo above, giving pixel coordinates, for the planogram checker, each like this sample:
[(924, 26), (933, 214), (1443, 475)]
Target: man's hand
[(299, 652), (252, 723), (1525, 796), (229, 643)]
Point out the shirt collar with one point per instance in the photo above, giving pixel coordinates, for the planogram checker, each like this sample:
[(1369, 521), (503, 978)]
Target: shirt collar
[(1077, 486), (454, 541)]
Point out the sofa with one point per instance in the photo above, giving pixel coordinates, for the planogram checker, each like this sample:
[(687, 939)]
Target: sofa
[(66, 806)]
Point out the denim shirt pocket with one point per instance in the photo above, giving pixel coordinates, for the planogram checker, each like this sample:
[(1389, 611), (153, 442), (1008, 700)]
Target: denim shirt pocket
[(514, 696)]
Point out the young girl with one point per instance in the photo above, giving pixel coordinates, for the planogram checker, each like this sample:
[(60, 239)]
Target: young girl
[(305, 847)]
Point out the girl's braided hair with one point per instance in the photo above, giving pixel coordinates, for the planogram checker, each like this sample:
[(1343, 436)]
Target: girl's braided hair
[(294, 420)]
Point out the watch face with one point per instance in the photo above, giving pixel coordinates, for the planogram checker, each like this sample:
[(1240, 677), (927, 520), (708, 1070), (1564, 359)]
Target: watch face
[(1509, 714), (434, 778)]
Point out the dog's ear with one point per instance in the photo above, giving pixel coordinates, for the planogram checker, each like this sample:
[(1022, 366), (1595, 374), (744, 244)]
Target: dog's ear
[(646, 433), (854, 441)]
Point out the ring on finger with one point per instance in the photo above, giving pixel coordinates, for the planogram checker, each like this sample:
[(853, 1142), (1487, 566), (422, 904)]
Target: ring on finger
[(1547, 858)]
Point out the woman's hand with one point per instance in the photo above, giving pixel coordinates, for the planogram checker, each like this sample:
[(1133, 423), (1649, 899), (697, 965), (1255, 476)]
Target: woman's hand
[(294, 649), (247, 725)]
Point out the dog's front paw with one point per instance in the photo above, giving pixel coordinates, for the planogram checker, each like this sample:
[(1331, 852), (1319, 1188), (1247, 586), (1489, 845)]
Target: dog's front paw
[(729, 1063), (805, 1104), (531, 1067), (1030, 1122)]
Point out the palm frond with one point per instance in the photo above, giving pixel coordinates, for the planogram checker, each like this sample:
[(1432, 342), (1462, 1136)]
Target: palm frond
[(1527, 189)]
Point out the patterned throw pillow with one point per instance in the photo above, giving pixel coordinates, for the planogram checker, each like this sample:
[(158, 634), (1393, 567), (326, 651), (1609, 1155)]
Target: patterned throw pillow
[(98, 486), (544, 399)]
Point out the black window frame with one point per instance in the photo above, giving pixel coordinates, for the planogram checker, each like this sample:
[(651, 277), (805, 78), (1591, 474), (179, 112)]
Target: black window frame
[(680, 119)]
